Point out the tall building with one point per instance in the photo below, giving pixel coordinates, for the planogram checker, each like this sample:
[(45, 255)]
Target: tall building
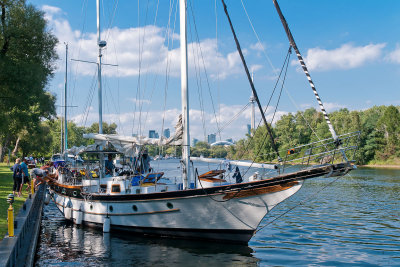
[(153, 134), (249, 129), (211, 138), (194, 141), (167, 133)]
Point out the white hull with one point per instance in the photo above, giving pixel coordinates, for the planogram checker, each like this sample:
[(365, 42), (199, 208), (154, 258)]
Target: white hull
[(193, 216)]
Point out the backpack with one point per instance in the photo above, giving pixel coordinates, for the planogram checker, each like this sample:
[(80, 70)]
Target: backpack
[(18, 171)]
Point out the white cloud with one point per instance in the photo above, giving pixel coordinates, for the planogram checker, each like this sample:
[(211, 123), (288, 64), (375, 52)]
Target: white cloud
[(329, 106), (333, 106), (345, 57), (394, 56), (123, 49), (139, 101), (258, 46)]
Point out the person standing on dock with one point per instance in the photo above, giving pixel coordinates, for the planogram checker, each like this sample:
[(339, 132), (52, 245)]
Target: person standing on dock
[(25, 175), (17, 176)]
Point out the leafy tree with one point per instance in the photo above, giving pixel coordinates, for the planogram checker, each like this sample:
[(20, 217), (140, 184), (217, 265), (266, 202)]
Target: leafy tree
[(27, 56)]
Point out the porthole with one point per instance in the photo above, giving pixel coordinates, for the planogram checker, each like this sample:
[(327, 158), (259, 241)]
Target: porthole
[(134, 208), (91, 207), (169, 205), (111, 208), (74, 193)]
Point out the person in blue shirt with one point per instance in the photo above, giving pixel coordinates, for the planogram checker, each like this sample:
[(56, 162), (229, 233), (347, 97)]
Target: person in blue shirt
[(25, 175), (17, 176), (109, 165)]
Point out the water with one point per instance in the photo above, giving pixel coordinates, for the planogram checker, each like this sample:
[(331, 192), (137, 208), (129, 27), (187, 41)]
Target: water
[(353, 221)]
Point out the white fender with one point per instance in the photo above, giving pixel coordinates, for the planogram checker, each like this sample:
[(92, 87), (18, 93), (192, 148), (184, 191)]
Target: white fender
[(106, 225), (47, 198), (68, 213), (78, 216)]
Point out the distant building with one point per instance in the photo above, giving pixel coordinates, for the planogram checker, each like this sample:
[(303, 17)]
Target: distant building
[(153, 134), (249, 129), (230, 140), (134, 135), (194, 141), (167, 133), (212, 138)]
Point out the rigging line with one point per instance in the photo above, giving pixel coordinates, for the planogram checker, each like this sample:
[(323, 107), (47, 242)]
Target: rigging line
[(147, 67), (251, 82), (111, 21), (274, 70), (286, 61), (91, 91), (303, 65), (235, 117), (204, 68), (143, 88), (218, 74), (283, 84), (167, 37), (91, 99), (198, 82), (311, 197), (170, 41), (83, 11), (137, 91)]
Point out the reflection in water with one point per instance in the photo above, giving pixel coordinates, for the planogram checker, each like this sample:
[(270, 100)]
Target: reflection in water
[(355, 221), (63, 243)]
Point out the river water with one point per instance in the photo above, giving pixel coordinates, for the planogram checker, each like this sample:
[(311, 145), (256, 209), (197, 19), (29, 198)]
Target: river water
[(352, 221)]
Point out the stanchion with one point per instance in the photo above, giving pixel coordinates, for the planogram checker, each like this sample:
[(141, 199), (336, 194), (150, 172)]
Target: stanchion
[(10, 217), (32, 186)]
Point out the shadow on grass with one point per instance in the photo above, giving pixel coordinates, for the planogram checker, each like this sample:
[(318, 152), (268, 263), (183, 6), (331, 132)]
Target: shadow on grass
[(6, 184)]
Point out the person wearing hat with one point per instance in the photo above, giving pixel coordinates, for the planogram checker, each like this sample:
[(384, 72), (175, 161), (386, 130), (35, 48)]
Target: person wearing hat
[(38, 174)]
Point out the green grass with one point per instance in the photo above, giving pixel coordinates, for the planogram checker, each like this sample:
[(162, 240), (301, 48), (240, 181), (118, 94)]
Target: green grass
[(6, 184)]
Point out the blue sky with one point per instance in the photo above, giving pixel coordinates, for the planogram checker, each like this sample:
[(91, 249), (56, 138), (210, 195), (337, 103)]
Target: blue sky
[(352, 49)]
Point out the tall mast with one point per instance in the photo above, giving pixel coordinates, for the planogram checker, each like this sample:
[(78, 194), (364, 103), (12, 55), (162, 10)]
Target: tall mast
[(303, 65), (65, 100), (253, 117), (185, 96), (101, 45)]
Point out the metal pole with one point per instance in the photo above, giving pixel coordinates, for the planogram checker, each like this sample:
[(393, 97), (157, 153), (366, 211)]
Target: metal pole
[(185, 96), (65, 100), (99, 70)]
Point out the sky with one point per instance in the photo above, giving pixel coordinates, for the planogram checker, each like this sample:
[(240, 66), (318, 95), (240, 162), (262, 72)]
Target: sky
[(352, 50)]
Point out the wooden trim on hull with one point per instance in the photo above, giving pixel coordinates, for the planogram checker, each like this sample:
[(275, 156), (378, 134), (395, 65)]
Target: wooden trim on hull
[(219, 235), (250, 187)]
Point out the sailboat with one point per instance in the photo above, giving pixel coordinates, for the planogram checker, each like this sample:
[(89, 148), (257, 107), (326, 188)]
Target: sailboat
[(204, 206)]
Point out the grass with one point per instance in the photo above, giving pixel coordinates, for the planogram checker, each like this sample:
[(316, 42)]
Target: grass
[(6, 184)]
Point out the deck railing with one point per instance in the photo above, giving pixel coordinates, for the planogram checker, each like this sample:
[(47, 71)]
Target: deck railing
[(327, 151)]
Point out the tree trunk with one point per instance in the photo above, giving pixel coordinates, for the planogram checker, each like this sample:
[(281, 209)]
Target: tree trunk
[(14, 152), (4, 147)]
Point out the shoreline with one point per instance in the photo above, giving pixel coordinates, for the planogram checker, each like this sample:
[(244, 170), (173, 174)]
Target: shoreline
[(380, 166)]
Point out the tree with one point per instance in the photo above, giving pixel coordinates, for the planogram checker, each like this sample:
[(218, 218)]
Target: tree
[(389, 126), (27, 56)]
